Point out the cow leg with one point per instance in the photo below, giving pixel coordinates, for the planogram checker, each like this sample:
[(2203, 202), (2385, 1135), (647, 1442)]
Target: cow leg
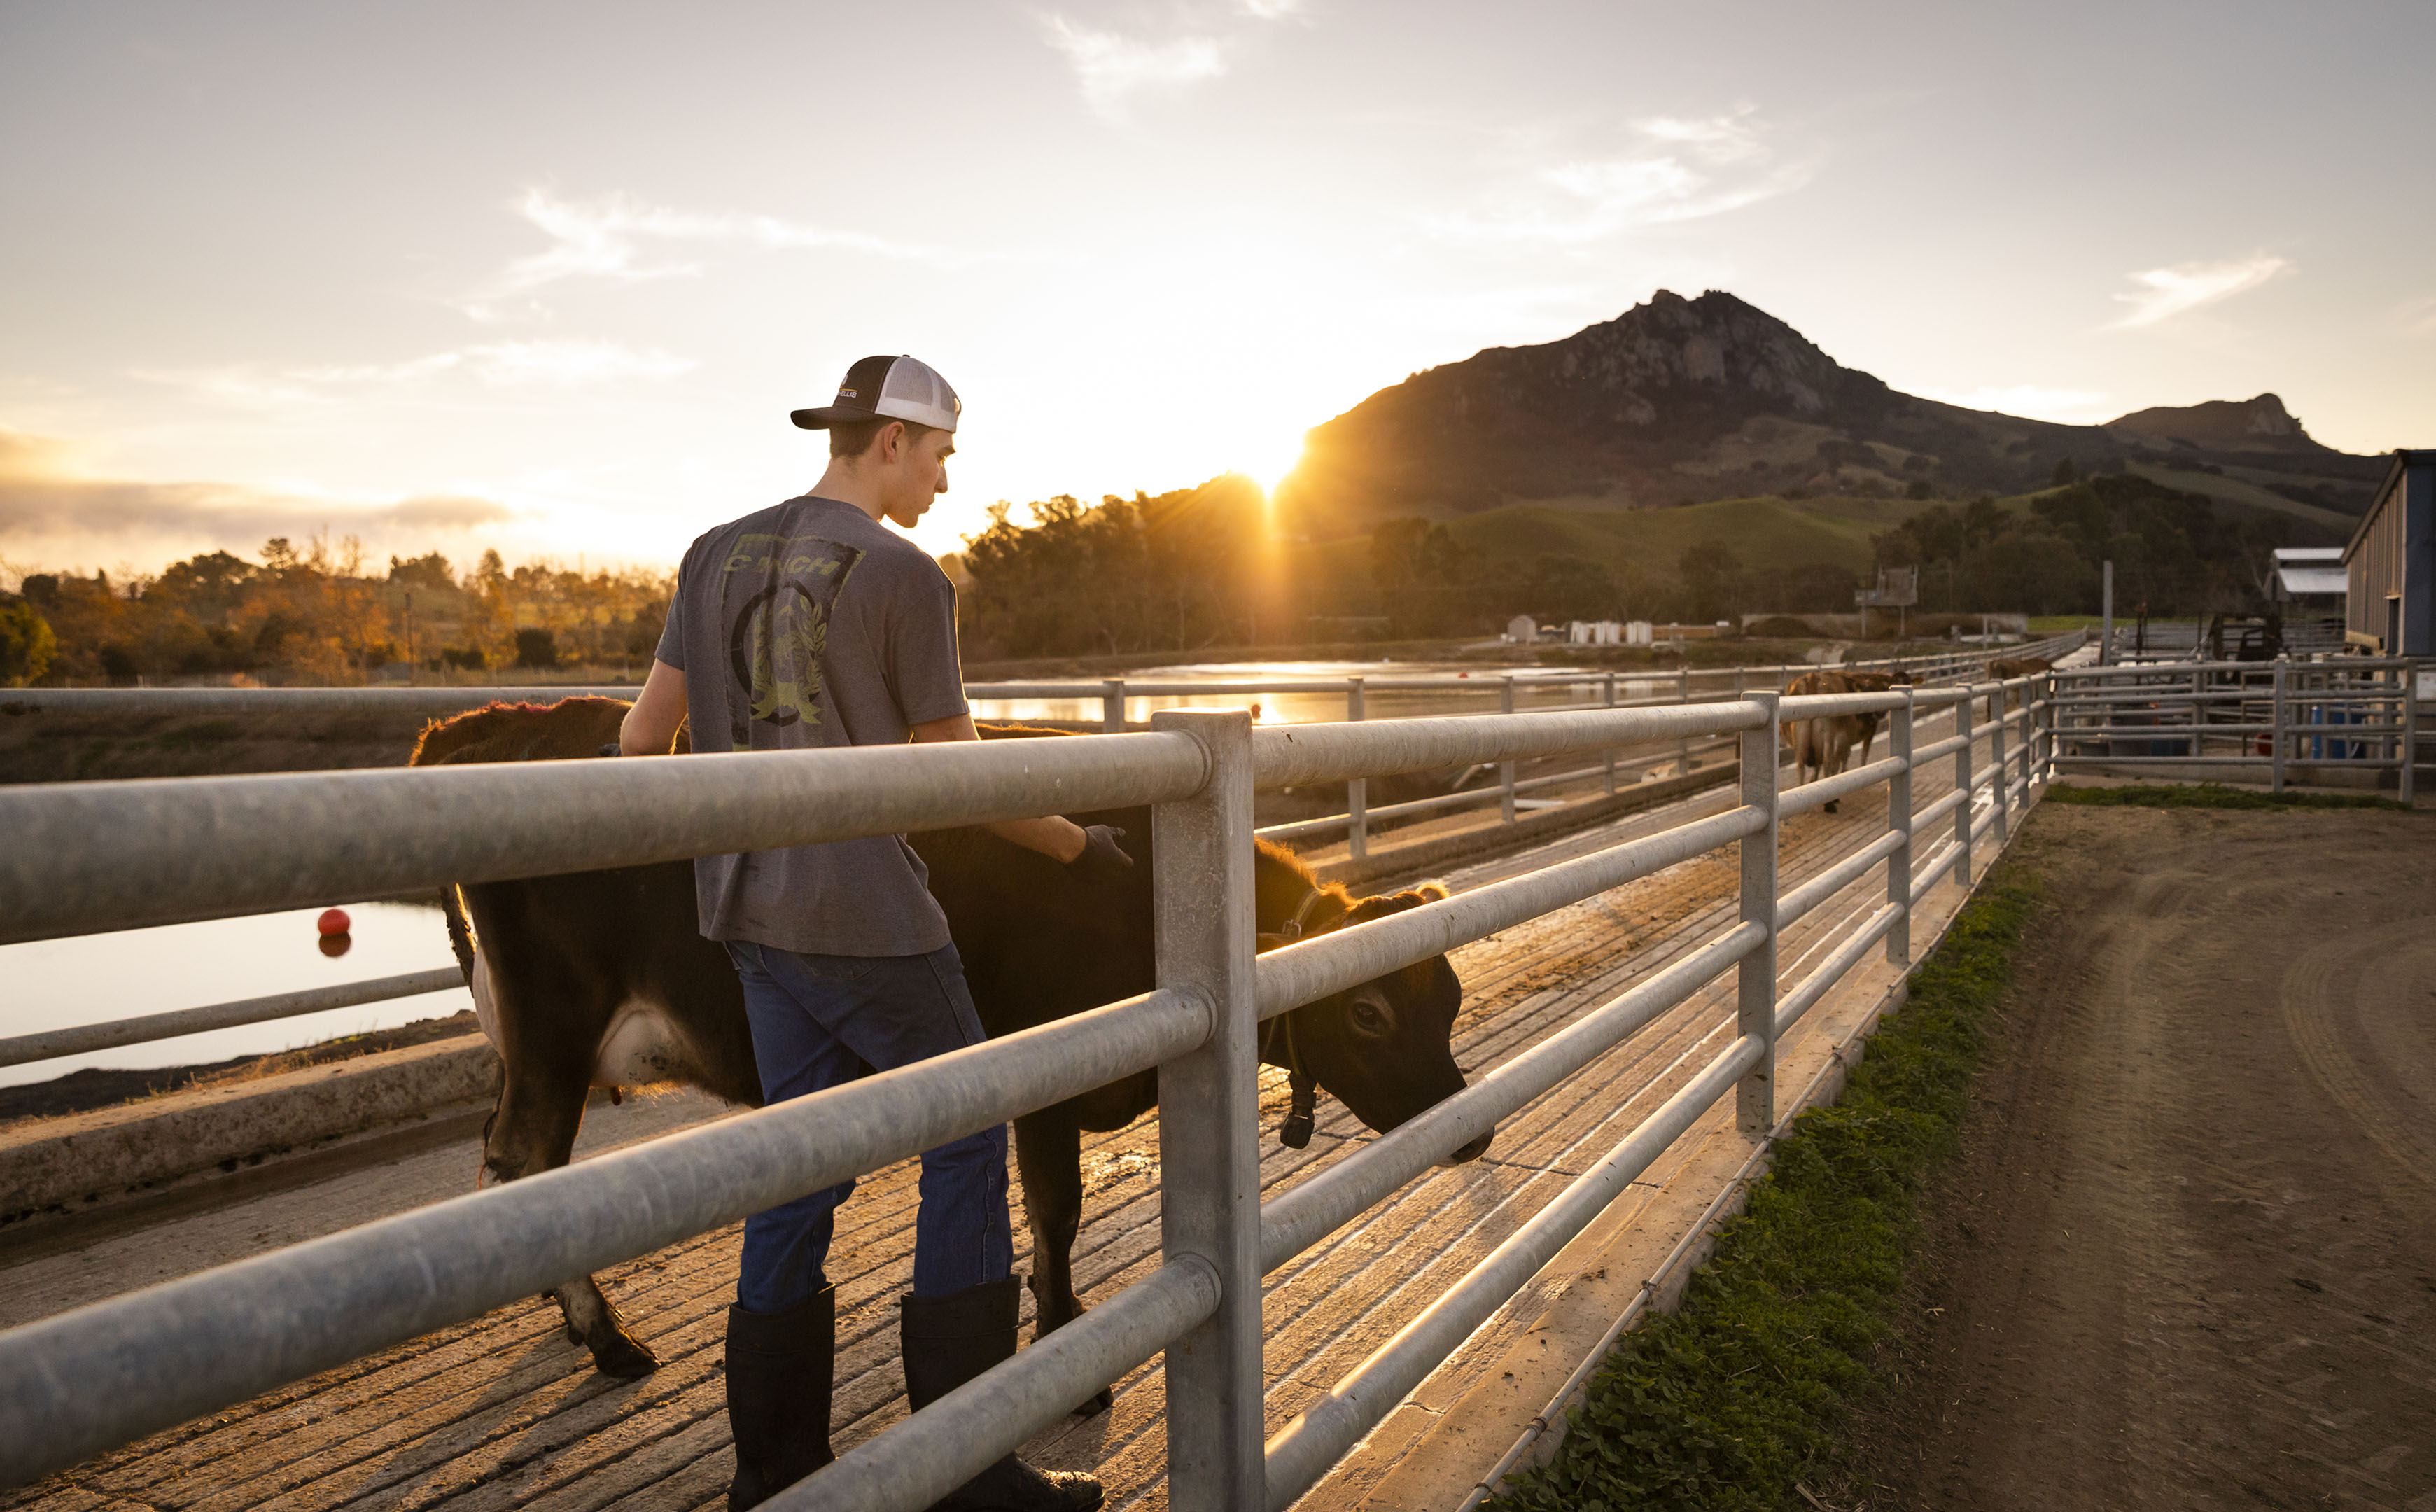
[(1048, 1153), (541, 1105)]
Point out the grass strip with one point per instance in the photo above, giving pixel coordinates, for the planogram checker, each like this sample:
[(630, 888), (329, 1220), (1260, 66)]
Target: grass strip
[(2209, 795), (1723, 1403)]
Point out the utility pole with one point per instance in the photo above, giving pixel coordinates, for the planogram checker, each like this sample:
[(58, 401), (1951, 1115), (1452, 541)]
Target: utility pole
[(2106, 617)]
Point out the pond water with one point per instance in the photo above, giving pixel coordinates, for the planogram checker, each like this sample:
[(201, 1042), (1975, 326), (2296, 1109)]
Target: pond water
[(1539, 690), (96, 977)]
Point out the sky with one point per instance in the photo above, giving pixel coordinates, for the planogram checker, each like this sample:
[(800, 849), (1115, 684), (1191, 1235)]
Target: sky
[(547, 277)]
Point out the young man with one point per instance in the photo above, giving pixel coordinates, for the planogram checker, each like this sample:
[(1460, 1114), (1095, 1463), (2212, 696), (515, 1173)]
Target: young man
[(807, 625)]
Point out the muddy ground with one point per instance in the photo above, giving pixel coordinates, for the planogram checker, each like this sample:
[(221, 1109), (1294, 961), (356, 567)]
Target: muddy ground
[(2188, 1256)]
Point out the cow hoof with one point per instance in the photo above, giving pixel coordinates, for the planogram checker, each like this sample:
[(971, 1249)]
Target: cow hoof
[(1098, 1404), (622, 1357)]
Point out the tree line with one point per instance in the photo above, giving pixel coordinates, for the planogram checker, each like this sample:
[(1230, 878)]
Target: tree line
[(320, 614), (1179, 572), (2173, 552)]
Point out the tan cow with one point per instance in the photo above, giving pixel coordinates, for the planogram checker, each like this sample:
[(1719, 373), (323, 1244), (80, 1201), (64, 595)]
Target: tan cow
[(1875, 682), (2005, 669), (1825, 745)]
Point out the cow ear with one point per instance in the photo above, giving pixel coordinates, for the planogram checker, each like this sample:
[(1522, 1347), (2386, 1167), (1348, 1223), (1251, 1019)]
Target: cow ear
[(1432, 892)]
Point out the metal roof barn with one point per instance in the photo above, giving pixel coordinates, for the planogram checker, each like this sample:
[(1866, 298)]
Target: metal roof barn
[(2390, 563)]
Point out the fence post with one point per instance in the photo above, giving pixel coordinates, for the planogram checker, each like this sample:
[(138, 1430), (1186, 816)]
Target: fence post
[(1997, 758), (1899, 820), (2405, 786), (1608, 756), (1506, 769), (1208, 1125), (2048, 726), (2401, 676), (1755, 976), (1357, 793), (1964, 713), (1112, 706), (1683, 747), (2199, 712), (2280, 735)]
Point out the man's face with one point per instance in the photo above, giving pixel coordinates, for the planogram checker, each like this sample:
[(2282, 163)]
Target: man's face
[(916, 476)]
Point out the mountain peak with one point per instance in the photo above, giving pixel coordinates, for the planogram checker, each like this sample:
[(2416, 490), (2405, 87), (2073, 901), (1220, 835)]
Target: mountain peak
[(2221, 424), (1677, 400)]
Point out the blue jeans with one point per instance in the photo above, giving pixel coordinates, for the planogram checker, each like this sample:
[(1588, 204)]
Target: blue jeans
[(817, 1021)]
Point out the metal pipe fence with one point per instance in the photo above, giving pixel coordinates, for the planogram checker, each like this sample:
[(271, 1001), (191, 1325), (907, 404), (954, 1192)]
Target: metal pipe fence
[(2258, 721), (1112, 694), (200, 847), (50, 1043)]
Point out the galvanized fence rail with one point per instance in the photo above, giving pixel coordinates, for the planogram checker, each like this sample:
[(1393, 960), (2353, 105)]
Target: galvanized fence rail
[(99, 856), (1714, 684), (50, 1043)]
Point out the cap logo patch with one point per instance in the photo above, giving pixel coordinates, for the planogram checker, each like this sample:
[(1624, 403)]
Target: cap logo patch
[(848, 394)]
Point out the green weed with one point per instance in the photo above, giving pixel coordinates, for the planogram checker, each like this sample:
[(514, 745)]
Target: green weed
[(1722, 1404)]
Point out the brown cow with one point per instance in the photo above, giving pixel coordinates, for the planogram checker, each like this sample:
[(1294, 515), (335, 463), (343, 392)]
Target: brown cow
[(600, 979), (1875, 682), (2005, 669), (1827, 744), (1823, 745)]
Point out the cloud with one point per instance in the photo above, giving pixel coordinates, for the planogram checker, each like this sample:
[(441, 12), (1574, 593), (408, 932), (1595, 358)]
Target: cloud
[(2064, 407), (504, 365), (605, 238), (1271, 9), (1112, 69), (2166, 292), (1678, 170), (2417, 317), (48, 509)]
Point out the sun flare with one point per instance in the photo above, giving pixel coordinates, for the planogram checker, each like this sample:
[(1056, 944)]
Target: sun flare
[(1268, 466)]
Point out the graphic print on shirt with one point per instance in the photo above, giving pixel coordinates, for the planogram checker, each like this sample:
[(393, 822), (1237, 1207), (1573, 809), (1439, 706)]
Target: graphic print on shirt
[(779, 631)]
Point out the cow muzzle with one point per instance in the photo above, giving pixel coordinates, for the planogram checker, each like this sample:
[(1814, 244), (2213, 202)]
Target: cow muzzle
[(1466, 1154)]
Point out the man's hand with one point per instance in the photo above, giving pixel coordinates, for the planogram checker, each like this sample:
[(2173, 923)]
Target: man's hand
[(1102, 856)]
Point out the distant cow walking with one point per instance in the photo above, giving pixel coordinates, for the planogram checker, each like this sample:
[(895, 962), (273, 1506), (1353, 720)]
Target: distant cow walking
[(1826, 745), (601, 979), (2005, 669), (1875, 682), (1821, 744)]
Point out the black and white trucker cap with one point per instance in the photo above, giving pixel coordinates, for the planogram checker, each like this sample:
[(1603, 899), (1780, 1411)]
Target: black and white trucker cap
[(888, 389)]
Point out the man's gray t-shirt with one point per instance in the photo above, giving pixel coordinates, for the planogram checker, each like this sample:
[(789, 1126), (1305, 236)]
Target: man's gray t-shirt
[(803, 626)]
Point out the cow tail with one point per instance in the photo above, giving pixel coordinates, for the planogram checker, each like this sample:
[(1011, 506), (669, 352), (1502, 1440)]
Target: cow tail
[(461, 933)]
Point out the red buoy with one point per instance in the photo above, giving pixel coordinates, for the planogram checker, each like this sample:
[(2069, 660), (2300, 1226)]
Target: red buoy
[(334, 921)]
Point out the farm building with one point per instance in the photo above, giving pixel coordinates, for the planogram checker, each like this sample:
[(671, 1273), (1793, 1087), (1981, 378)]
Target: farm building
[(2390, 563), (2307, 590)]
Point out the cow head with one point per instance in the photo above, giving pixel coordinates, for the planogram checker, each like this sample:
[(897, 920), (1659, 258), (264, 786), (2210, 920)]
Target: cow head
[(1382, 1048)]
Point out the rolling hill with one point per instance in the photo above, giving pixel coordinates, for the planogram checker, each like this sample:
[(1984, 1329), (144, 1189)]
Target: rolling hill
[(1683, 402)]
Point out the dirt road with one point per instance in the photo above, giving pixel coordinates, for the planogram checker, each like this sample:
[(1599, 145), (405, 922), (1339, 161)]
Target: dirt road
[(2187, 1258)]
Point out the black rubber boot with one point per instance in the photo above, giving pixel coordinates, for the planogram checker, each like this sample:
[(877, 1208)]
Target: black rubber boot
[(781, 1366), (949, 1340)]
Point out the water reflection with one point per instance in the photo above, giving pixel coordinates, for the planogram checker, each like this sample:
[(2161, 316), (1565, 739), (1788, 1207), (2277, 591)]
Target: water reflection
[(1533, 689), (53, 984)]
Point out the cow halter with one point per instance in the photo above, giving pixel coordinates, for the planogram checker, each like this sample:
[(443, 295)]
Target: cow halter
[(1301, 1088)]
